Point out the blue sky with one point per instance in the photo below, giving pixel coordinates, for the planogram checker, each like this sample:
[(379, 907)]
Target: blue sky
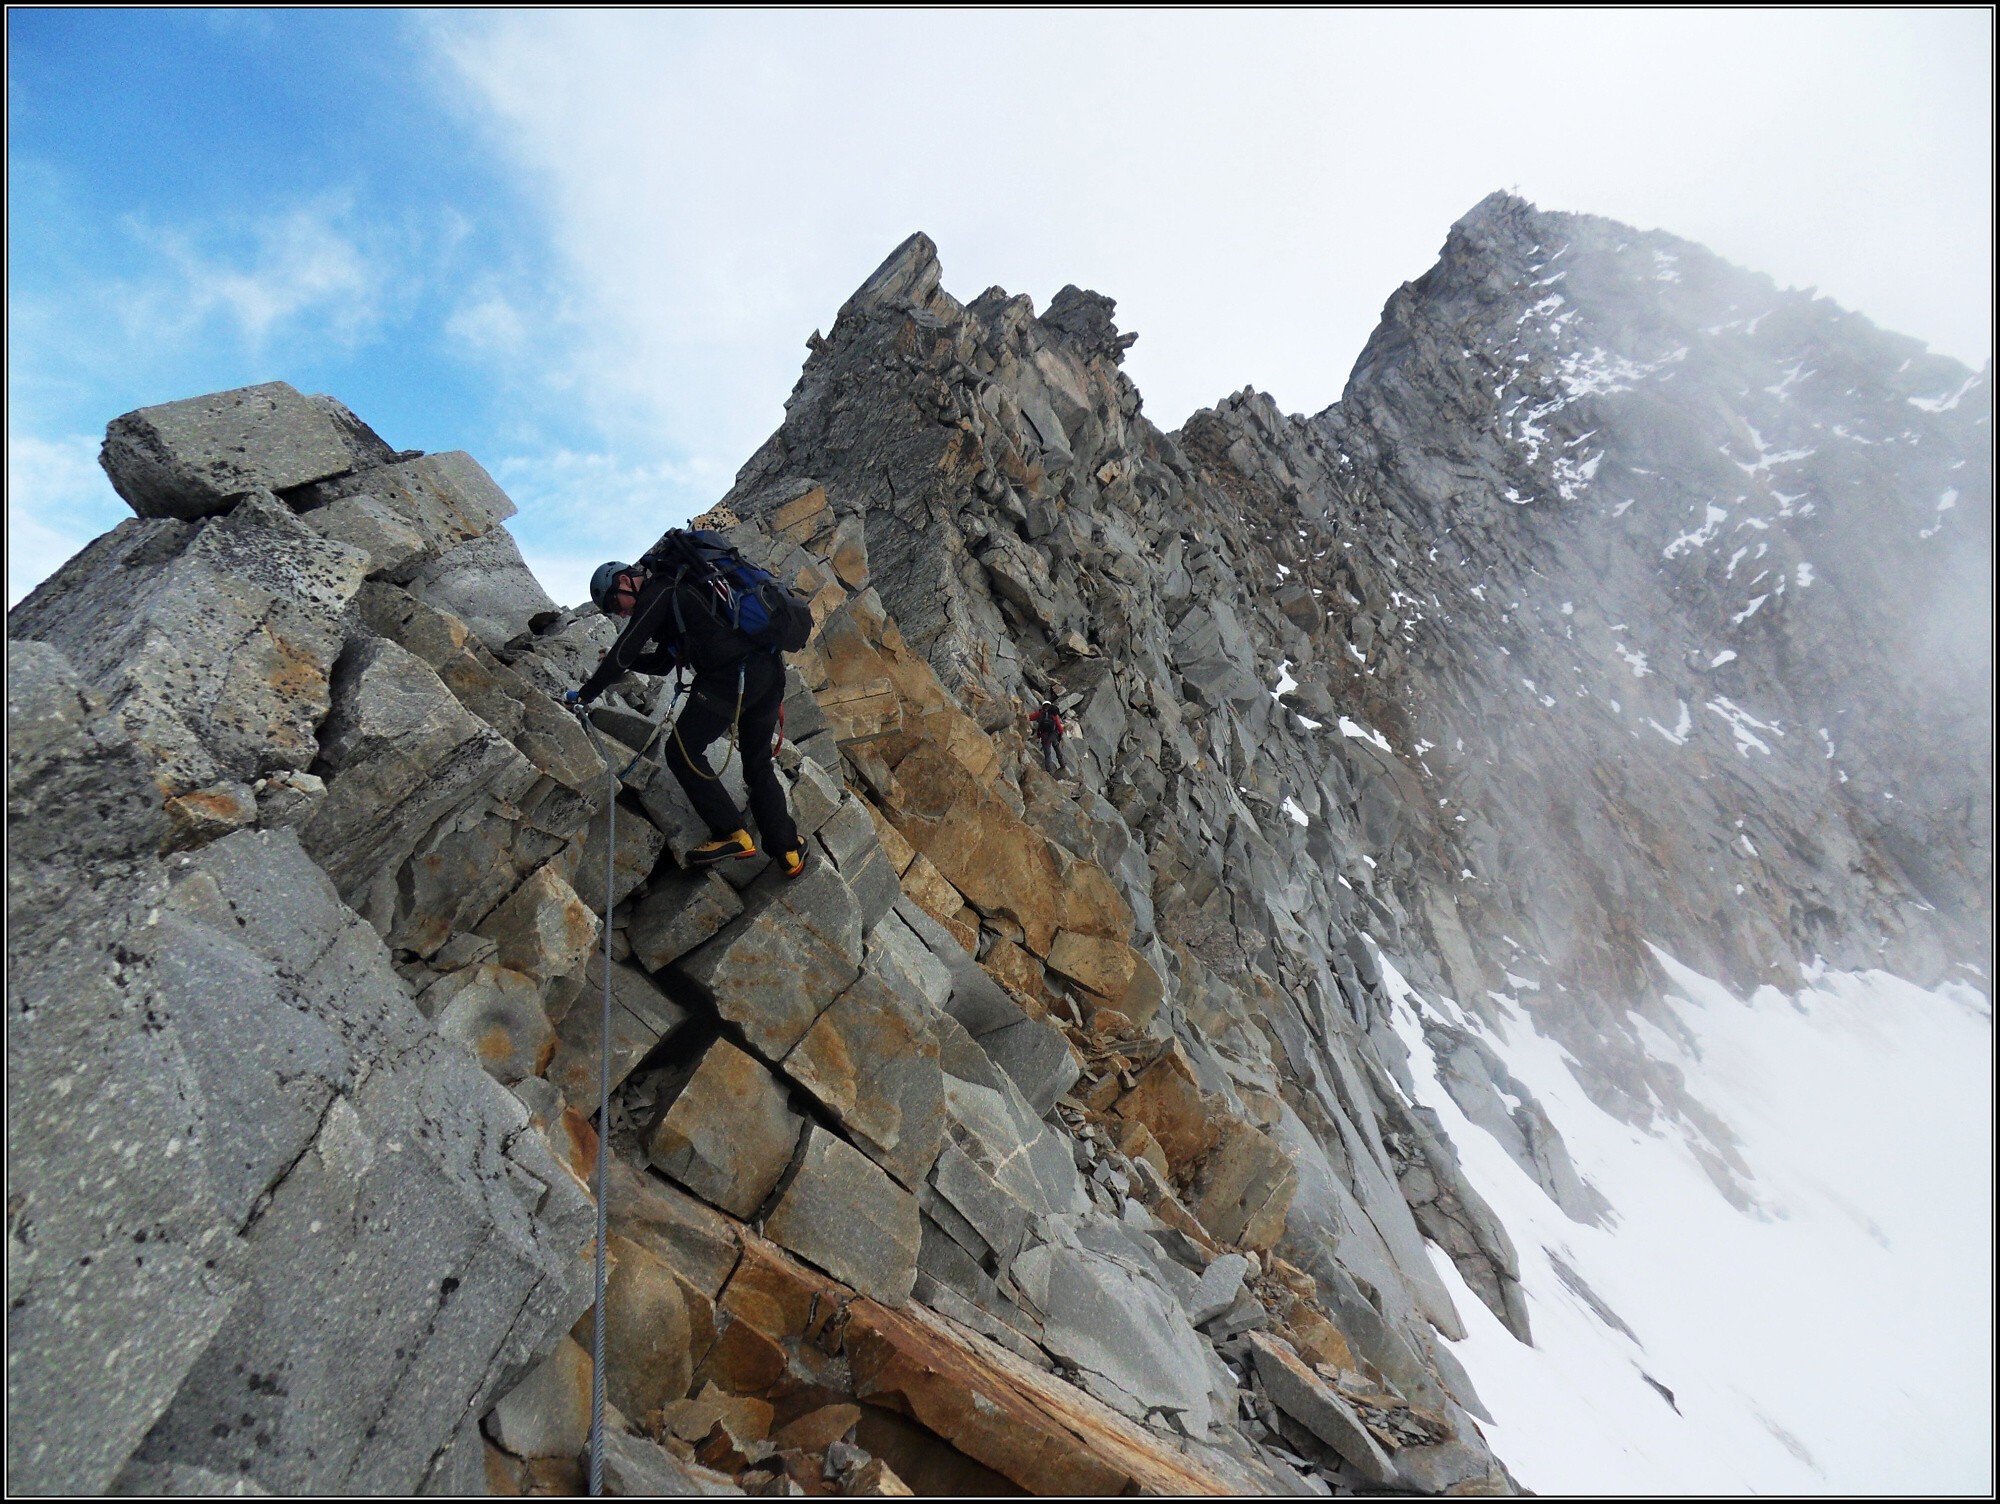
[(203, 200), (587, 247)]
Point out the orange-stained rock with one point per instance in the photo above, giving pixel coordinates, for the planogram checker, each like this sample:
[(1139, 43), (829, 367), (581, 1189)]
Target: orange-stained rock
[(860, 711), (816, 1430), (932, 1467), (1243, 1188), (725, 1130), (695, 1238), (847, 552), (495, 1013), (964, 928), (554, 1477), (1101, 1093), (899, 851), (1157, 1192), (543, 928), (1137, 1140), (1013, 968), (206, 814), (1103, 966), (847, 655), (823, 600), (646, 1333), (955, 733), (1166, 1099), (988, 1405), (807, 1470), (875, 1479), (998, 1409), (699, 1308), (746, 1417), (1090, 904), (871, 1059), (1320, 1340), (505, 1476), (743, 1360), (574, 1138), (723, 1450), (999, 862), (929, 888), (797, 1309), (780, 1296), (803, 517)]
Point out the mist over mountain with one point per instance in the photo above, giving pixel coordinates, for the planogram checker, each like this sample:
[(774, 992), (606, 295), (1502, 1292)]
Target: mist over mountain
[(1449, 772)]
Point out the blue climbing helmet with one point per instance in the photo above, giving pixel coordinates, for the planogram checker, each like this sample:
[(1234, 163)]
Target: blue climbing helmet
[(602, 581)]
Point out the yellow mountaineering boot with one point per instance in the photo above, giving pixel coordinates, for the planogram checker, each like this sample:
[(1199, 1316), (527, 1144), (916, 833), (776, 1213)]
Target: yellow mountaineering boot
[(792, 862), (725, 848)]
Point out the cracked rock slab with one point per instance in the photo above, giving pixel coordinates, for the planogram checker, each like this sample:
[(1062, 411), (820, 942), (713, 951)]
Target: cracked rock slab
[(725, 1130), (212, 642), (842, 1212), (1297, 1391), (871, 1059)]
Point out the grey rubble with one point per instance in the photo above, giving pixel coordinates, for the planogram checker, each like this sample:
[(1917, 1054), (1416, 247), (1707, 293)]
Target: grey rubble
[(1076, 1101)]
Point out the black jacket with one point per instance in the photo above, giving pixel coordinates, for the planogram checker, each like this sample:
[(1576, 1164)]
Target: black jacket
[(669, 627)]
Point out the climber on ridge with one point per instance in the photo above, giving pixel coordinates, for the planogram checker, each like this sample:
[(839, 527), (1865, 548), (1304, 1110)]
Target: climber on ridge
[(692, 602), (1048, 724)]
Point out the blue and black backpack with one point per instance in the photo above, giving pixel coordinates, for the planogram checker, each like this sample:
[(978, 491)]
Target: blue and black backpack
[(724, 606)]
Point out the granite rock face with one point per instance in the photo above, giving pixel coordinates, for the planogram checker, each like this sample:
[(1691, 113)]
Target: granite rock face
[(1053, 1132), (213, 641), (225, 1052), (189, 459)]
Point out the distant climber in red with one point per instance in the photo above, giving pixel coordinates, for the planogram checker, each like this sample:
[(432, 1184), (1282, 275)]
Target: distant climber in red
[(1049, 728)]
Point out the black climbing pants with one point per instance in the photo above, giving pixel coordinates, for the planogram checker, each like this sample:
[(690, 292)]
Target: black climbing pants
[(1052, 755), (711, 706)]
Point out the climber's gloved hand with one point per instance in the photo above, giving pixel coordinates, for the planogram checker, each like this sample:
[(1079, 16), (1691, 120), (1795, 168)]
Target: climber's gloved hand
[(574, 702)]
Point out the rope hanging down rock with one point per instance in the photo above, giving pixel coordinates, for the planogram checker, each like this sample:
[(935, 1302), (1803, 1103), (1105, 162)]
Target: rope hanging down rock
[(612, 781)]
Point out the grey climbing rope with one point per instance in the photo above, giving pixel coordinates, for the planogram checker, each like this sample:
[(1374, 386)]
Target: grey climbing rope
[(612, 781), (667, 704), (614, 778)]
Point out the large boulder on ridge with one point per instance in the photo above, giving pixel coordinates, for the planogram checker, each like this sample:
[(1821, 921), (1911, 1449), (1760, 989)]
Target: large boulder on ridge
[(191, 458)]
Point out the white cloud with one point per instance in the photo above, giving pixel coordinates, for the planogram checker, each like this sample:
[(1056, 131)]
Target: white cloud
[(488, 324), (213, 302), (288, 268), (1250, 188), (58, 499)]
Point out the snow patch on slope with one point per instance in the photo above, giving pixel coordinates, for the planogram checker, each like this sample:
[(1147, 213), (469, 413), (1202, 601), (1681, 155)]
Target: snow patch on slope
[(1835, 1340)]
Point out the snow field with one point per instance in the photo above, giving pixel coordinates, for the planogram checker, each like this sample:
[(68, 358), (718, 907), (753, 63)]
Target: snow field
[(1834, 1338)]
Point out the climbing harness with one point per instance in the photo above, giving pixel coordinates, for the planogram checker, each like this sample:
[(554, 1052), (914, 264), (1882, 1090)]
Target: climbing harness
[(735, 723)]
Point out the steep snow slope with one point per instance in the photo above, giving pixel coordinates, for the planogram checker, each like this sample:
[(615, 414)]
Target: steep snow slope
[(1836, 1335)]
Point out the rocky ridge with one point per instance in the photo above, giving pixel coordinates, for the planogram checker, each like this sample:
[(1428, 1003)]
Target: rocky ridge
[(913, 1188), (1050, 1135)]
